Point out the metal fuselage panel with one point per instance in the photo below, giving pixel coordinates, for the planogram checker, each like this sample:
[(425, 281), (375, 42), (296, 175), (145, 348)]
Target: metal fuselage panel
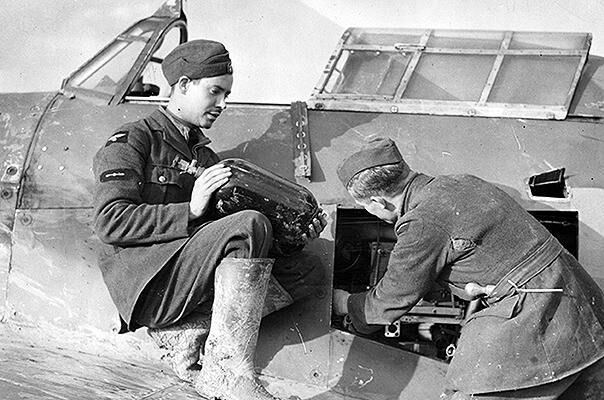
[(54, 278), (19, 116), (59, 172), (505, 152)]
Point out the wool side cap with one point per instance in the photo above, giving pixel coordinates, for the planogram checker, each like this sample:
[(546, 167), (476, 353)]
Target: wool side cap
[(377, 152), (197, 59)]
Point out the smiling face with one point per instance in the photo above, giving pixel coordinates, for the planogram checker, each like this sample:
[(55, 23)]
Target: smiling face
[(200, 102)]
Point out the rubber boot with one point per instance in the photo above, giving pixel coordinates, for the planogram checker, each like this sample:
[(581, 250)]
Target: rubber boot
[(240, 288), (184, 342)]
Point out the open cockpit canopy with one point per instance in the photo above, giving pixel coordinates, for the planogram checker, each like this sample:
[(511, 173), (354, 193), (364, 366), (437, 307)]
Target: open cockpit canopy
[(448, 72), (541, 75)]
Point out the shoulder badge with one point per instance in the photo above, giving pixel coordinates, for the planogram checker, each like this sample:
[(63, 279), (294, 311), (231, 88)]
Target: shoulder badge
[(118, 137), (118, 175)]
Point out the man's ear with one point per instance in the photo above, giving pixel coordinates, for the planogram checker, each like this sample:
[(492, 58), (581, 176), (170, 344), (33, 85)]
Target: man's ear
[(380, 201), (183, 84)]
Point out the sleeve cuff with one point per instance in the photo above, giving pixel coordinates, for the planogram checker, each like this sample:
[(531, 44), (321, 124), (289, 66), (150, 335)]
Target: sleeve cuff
[(182, 218), (356, 310)]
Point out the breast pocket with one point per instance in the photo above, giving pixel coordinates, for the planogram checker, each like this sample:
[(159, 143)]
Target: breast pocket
[(166, 185)]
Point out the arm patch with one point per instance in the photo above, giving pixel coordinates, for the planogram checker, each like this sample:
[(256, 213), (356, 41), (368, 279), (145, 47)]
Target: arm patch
[(118, 137), (118, 175)]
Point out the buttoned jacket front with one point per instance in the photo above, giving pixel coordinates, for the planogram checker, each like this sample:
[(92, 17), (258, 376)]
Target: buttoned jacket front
[(142, 202)]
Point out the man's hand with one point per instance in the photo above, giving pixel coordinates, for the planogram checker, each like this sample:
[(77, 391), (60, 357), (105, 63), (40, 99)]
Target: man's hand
[(340, 301), (316, 227), (210, 180)]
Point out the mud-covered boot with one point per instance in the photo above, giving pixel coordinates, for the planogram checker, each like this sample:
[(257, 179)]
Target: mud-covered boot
[(184, 342), (240, 288)]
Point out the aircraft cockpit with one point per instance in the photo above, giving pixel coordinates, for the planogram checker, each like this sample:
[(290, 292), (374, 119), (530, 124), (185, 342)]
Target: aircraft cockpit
[(129, 67)]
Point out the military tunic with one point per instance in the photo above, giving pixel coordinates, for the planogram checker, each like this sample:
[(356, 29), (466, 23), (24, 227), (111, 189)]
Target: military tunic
[(142, 202), (461, 229)]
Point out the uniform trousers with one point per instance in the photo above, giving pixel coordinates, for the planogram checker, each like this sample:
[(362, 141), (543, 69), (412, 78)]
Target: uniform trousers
[(186, 282)]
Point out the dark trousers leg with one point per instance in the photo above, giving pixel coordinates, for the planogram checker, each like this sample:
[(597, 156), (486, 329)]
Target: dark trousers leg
[(186, 282), (301, 274)]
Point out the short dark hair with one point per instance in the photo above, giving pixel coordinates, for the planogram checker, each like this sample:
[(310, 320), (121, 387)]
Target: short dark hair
[(378, 181)]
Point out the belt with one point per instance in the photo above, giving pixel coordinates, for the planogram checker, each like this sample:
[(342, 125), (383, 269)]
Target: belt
[(513, 281)]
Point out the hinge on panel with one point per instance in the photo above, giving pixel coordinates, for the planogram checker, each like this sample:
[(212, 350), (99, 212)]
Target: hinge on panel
[(409, 47), (302, 161)]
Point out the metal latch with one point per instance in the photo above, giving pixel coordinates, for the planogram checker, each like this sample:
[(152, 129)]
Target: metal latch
[(302, 160), (409, 47)]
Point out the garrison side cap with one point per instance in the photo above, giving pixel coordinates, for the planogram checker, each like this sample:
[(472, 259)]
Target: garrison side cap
[(196, 59), (378, 151)]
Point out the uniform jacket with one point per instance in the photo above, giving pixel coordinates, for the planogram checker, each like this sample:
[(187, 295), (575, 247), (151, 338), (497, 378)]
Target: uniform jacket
[(142, 202), (460, 229)]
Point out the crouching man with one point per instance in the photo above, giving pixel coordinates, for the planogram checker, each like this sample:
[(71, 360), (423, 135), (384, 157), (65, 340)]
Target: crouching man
[(197, 282), (542, 334)]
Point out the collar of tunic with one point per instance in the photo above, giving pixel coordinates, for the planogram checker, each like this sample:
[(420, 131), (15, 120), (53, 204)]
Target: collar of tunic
[(192, 134), (415, 181)]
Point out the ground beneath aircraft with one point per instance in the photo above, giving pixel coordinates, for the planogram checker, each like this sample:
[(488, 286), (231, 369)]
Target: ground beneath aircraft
[(43, 369), (35, 366)]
